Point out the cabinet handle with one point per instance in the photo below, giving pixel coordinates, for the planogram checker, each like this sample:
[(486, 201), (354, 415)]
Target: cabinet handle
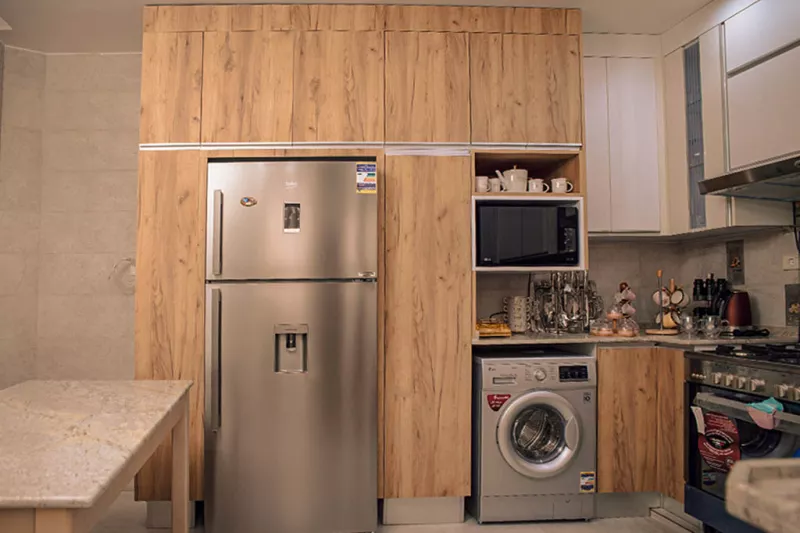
[(216, 235), (214, 404)]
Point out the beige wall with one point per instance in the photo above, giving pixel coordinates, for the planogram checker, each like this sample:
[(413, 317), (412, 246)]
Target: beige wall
[(68, 159)]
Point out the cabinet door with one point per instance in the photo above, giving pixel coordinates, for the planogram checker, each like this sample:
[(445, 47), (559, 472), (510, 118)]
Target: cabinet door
[(170, 298), (525, 88), (247, 86), (427, 87), (428, 327), (633, 130), (338, 87), (598, 172), (172, 70), (760, 30), (671, 437), (627, 428)]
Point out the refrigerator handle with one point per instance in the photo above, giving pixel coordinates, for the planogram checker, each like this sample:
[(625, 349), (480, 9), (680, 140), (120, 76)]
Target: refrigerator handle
[(216, 235), (214, 407)]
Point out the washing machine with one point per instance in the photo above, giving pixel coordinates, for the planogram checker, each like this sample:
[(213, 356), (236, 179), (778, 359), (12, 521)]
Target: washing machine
[(534, 436)]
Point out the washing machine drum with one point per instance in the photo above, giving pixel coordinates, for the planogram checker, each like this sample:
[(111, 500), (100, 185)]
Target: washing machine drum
[(538, 434)]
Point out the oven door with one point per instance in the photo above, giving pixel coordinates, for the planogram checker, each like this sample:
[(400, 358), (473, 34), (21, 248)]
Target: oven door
[(722, 432)]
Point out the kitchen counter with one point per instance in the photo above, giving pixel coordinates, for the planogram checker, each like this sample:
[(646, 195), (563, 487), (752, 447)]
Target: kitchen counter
[(63, 444), (779, 335), (763, 492)]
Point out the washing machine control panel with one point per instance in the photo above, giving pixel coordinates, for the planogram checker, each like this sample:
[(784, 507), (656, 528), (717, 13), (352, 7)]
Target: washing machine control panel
[(541, 373), (573, 373)]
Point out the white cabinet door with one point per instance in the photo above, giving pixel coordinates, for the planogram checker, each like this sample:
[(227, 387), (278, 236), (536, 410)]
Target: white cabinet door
[(677, 166), (633, 134), (712, 78), (760, 30), (764, 110), (598, 171)]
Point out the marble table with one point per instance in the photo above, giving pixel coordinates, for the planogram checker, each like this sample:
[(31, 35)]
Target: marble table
[(68, 448), (764, 493)]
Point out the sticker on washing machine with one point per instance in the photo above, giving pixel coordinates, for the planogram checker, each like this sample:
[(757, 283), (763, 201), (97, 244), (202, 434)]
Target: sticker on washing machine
[(587, 482), (496, 401), (720, 445), (366, 178)]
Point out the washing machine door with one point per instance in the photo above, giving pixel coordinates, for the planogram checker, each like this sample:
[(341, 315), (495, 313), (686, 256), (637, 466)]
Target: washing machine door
[(538, 434)]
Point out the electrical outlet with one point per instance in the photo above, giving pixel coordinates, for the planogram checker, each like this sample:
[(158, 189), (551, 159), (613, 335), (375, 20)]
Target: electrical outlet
[(791, 262)]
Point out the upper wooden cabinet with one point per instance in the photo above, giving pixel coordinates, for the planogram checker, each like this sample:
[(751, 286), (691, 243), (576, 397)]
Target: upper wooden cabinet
[(338, 87), (526, 89), (427, 87), (172, 78), (247, 88)]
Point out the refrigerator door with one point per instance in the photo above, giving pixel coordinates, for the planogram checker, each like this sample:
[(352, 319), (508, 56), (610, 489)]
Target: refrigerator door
[(290, 220), (291, 412)]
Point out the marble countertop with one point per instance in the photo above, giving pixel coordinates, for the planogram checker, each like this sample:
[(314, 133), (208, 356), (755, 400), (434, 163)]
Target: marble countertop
[(63, 442), (779, 335), (763, 492)]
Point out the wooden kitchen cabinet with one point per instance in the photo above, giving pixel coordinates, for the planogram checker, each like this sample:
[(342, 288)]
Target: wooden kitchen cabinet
[(170, 295), (172, 74), (671, 432), (338, 87), (526, 89), (428, 328), (427, 87), (627, 428), (247, 86)]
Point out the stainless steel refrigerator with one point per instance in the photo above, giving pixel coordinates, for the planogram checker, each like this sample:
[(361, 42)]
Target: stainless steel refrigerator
[(291, 347)]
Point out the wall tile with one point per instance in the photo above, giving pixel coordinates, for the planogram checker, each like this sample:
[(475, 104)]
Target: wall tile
[(17, 359), (23, 107), (88, 232), (91, 150), (85, 358), (18, 314), (19, 231), (94, 72), (75, 316), (23, 68), (89, 191), (102, 110), (20, 169), (18, 274), (63, 274)]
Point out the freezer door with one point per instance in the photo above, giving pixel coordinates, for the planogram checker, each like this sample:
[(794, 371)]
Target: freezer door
[(291, 422), (290, 220)]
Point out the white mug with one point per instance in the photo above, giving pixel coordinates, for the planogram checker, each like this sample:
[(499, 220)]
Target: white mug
[(537, 185), (481, 183), (561, 185), (494, 185)]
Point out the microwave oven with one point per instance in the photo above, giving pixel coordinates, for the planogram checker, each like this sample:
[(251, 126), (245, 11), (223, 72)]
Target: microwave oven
[(528, 234)]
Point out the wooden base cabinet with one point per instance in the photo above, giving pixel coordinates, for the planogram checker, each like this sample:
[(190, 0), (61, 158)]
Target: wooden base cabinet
[(640, 435), (428, 318)]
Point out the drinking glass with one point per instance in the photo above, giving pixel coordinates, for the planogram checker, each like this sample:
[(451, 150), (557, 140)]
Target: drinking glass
[(688, 325)]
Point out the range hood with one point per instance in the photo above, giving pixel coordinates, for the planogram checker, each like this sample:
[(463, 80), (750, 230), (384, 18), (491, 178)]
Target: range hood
[(775, 180)]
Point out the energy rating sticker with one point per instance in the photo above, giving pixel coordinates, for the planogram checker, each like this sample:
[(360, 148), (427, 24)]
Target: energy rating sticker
[(366, 178), (587, 482)]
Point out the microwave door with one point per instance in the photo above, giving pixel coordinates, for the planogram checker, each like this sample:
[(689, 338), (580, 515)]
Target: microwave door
[(540, 235)]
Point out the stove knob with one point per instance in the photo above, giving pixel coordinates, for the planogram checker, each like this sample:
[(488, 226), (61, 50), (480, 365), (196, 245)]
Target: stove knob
[(729, 380), (539, 374), (716, 377), (741, 382), (782, 391), (757, 385)]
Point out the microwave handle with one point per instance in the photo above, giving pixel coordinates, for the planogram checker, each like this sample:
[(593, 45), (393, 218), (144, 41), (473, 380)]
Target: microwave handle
[(785, 422)]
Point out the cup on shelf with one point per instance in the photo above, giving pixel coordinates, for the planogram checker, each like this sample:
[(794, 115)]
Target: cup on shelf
[(561, 185), (481, 183), (494, 185), (537, 185)]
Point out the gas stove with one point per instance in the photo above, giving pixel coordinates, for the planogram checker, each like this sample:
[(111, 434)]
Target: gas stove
[(758, 369)]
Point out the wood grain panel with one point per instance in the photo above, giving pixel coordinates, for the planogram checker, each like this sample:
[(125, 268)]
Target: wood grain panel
[(168, 19), (337, 17), (247, 17), (627, 429), (490, 19), (498, 74), (574, 22), (277, 17), (247, 90), (427, 18), (429, 329), (338, 87), (427, 87), (671, 431), (172, 67), (554, 102), (169, 300), (539, 20)]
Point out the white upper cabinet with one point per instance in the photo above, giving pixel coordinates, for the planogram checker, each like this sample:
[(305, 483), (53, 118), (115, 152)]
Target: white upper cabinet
[(759, 30), (764, 110), (598, 169)]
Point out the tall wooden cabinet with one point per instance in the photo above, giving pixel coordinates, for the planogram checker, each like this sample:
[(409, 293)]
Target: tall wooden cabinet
[(428, 327)]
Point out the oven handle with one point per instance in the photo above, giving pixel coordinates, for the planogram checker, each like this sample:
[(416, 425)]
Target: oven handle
[(787, 423)]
